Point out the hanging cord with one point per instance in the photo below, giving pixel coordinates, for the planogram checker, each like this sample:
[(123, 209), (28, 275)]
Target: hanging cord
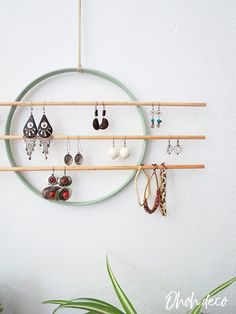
[(80, 69)]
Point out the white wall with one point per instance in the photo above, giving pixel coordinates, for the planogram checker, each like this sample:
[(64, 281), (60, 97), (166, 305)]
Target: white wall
[(163, 50)]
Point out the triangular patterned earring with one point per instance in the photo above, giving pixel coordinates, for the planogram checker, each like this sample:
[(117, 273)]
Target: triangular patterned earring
[(30, 132), (45, 131)]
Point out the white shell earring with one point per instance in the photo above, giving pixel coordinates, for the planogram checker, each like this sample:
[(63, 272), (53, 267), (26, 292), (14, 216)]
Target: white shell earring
[(113, 151), (124, 151)]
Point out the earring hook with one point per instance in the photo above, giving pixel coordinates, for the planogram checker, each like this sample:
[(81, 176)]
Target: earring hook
[(125, 141), (68, 144)]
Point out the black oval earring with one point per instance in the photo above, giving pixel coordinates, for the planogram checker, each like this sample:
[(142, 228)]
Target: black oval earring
[(104, 125), (95, 120)]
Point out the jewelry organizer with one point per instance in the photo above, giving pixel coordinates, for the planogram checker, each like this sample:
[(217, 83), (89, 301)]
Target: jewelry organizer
[(8, 137)]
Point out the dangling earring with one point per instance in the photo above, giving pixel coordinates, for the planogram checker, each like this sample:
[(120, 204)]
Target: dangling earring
[(68, 159), (178, 148), (124, 151), (152, 112), (113, 151), (170, 148), (157, 194), (45, 131), (50, 192), (104, 125), (64, 193), (30, 132), (79, 157), (159, 121), (136, 184), (95, 120), (163, 190)]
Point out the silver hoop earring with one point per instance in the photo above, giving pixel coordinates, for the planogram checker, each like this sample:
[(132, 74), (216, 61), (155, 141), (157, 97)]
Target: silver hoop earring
[(170, 148), (178, 148)]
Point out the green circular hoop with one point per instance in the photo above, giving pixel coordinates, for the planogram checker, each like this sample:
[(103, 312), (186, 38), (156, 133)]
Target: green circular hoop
[(48, 76)]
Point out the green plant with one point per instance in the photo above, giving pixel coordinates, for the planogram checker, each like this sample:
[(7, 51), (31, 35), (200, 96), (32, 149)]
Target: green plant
[(95, 306), (1, 309)]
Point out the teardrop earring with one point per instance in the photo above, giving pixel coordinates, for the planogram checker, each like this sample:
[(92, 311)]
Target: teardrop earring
[(113, 151), (170, 148), (104, 125), (79, 157), (68, 159), (178, 148), (45, 131), (124, 151), (30, 132)]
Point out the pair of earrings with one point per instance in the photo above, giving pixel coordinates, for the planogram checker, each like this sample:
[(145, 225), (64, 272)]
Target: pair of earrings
[(44, 131), (104, 124), (123, 153), (68, 159), (58, 188), (158, 113), (177, 148)]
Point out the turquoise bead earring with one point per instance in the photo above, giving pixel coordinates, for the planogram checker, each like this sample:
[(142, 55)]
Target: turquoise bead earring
[(159, 121)]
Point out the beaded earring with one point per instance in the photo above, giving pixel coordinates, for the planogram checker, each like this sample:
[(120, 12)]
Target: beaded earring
[(159, 113)]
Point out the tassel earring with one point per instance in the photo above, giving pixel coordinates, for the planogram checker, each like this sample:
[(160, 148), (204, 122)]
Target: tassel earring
[(45, 131), (30, 132)]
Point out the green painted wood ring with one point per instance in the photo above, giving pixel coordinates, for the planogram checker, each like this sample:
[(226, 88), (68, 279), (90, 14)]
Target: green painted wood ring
[(48, 76)]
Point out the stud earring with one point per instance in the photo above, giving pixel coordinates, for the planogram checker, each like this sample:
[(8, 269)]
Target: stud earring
[(159, 121), (152, 112), (170, 148), (124, 151), (30, 132), (104, 125), (45, 131), (178, 148), (95, 120), (79, 157), (50, 192), (68, 159), (113, 151)]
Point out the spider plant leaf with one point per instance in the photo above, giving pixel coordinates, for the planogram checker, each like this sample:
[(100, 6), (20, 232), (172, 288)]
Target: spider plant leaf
[(127, 306), (92, 305), (226, 284)]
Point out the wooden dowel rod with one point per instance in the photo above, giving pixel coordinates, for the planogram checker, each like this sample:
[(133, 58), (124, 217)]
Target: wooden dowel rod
[(105, 103), (75, 168), (111, 137)]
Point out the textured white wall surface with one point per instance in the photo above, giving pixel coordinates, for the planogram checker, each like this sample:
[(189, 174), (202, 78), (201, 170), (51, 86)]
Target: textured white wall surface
[(165, 50)]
